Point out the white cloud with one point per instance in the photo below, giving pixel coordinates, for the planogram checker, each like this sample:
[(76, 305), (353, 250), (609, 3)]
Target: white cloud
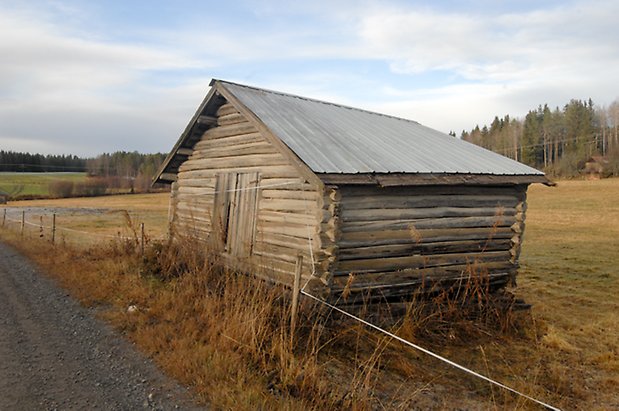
[(60, 92), (501, 47), (503, 64)]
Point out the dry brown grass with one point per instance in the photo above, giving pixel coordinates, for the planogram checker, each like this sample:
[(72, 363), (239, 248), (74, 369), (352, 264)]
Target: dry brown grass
[(227, 337)]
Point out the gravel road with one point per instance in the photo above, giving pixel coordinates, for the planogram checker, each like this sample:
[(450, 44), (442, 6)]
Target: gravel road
[(54, 354)]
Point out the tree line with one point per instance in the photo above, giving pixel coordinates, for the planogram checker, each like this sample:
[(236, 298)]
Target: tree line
[(558, 140), (122, 170), (26, 162)]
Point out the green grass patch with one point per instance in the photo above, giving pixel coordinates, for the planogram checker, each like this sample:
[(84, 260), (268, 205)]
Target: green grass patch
[(23, 185)]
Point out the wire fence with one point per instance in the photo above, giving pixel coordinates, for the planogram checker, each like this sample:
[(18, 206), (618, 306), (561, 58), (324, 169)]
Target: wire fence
[(79, 227)]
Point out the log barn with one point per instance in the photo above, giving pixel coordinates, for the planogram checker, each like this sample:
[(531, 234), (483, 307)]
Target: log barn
[(266, 179)]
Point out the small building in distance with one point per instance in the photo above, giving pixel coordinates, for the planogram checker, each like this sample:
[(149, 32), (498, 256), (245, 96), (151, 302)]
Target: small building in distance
[(373, 203), (595, 167)]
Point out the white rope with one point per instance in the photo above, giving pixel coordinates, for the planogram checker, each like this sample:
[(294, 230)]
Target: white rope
[(430, 353)]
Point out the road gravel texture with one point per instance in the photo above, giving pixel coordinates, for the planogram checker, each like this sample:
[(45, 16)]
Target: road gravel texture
[(55, 355)]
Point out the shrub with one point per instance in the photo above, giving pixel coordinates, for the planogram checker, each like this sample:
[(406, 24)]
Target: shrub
[(61, 188), (90, 188)]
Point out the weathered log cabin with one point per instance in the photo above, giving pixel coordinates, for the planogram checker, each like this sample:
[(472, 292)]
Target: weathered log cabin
[(263, 177)]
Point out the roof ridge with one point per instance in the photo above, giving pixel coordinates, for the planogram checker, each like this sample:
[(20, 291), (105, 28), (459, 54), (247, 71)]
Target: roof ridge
[(313, 100)]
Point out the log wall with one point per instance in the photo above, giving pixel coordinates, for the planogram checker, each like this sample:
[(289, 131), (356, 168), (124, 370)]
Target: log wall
[(394, 239), (288, 208)]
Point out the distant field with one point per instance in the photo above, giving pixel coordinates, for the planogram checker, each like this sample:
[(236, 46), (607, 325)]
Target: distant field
[(101, 216), (34, 184)]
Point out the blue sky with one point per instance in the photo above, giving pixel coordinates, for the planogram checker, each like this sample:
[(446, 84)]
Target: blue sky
[(87, 77)]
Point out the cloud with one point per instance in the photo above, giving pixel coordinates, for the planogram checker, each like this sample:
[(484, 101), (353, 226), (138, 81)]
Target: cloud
[(60, 92), (502, 47), (43, 59)]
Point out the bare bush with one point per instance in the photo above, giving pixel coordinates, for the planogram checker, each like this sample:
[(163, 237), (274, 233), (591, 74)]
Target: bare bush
[(61, 188)]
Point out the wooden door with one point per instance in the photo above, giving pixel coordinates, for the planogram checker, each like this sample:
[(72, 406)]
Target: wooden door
[(234, 217)]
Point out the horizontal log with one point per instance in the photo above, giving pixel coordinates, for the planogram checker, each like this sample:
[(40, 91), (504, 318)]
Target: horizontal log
[(226, 109), (229, 131), (368, 191), (293, 251), (183, 151), (199, 203), (191, 214), (289, 229), (183, 189), (427, 223), (396, 250), (232, 118), (237, 140), (284, 184), (431, 273), (351, 240), (206, 120), (282, 217), (283, 171), (282, 204), (302, 243), (418, 261), (254, 160), (290, 194), (475, 201), (422, 233), (234, 151), (432, 212), (360, 293), (206, 183), (168, 177)]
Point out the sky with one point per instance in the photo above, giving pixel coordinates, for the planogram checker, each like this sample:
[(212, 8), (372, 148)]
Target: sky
[(86, 77)]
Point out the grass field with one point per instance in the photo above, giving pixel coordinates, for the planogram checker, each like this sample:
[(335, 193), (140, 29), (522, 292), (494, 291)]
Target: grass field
[(34, 184), (568, 356), (91, 219), (570, 273)]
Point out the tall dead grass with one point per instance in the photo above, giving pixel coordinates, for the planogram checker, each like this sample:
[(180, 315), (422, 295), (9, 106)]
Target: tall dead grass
[(227, 335)]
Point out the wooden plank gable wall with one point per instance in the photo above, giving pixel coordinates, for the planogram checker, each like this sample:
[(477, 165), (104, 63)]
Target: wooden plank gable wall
[(241, 194)]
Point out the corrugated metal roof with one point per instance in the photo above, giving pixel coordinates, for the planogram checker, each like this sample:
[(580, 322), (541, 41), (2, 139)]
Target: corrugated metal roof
[(331, 138)]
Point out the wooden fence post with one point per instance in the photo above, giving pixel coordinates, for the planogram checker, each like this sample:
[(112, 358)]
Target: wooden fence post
[(54, 228), (295, 296), (41, 226), (4, 218), (23, 222), (142, 239)]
